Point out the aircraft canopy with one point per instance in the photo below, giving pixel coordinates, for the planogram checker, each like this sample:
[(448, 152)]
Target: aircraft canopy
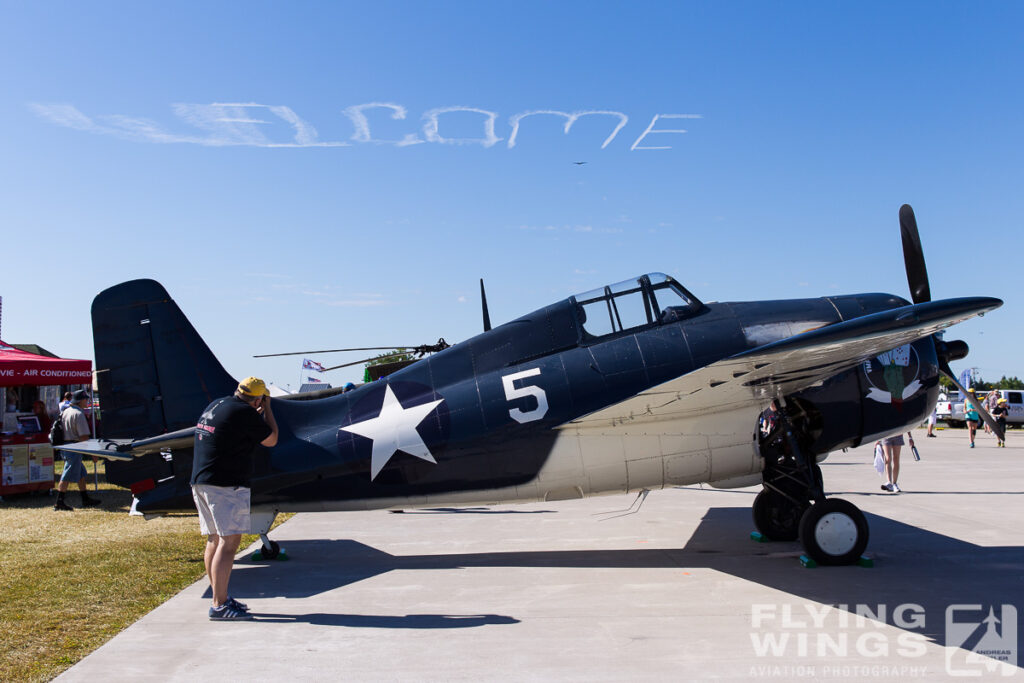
[(644, 300)]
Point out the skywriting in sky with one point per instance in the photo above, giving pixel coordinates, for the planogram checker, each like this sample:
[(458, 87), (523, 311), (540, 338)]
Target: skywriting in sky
[(264, 125)]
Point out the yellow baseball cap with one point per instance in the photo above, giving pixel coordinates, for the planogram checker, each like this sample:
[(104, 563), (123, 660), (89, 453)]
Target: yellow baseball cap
[(253, 386), (1002, 400)]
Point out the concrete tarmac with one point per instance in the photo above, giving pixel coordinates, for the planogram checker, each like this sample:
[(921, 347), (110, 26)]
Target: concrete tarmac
[(601, 590)]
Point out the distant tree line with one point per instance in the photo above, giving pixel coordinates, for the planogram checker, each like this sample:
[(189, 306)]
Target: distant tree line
[(981, 385), (395, 356), (386, 363)]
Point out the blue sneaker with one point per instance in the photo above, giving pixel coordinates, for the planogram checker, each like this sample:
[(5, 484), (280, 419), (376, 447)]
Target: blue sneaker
[(241, 606), (228, 613)]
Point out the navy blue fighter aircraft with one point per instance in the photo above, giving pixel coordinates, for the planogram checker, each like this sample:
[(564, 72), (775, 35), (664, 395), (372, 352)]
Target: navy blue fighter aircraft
[(630, 387)]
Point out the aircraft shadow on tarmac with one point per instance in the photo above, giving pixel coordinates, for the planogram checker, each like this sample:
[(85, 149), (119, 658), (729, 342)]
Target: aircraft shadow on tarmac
[(416, 621), (913, 566), (470, 511)]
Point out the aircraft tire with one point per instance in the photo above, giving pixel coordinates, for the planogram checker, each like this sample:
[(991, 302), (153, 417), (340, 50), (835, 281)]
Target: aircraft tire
[(834, 532), (776, 516), (272, 552)]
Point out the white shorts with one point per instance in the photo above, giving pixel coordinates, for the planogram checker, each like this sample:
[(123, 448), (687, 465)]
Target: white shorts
[(223, 510)]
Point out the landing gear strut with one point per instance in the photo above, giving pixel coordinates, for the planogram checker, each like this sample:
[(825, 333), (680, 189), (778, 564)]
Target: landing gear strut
[(793, 504)]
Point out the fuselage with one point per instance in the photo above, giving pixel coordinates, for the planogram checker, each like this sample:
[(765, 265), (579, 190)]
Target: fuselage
[(502, 410), (503, 416)]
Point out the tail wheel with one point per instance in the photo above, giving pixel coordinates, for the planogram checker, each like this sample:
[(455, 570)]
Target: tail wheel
[(777, 516), (834, 532), (270, 552)]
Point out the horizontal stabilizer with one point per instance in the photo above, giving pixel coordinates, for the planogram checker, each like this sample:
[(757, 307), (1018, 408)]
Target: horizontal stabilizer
[(98, 448), (129, 449)]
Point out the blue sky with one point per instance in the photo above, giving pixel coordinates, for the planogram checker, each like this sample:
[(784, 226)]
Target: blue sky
[(322, 175)]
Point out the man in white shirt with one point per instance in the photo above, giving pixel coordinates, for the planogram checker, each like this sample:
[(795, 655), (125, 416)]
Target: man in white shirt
[(76, 428)]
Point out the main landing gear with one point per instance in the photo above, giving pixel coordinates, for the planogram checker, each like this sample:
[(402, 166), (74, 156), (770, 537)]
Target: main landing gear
[(793, 504)]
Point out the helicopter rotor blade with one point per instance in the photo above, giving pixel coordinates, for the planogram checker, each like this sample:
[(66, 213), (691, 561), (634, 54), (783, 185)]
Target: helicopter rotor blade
[(364, 348), (367, 360)]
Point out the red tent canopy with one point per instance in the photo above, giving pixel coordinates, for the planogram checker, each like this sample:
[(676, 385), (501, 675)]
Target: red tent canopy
[(21, 367)]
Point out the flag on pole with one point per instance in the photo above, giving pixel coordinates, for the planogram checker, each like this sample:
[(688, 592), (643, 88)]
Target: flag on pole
[(314, 380), (965, 378), (308, 364)]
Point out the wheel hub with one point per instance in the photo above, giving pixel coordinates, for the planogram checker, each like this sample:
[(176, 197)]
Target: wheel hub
[(836, 533)]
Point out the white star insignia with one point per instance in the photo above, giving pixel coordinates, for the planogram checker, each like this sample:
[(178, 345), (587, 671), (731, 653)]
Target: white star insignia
[(393, 430)]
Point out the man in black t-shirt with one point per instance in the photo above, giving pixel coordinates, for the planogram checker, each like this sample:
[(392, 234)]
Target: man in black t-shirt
[(999, 413), (228, 432)]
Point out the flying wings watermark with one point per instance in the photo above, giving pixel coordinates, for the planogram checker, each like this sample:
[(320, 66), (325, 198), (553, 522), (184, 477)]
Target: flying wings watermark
[(859, 641)]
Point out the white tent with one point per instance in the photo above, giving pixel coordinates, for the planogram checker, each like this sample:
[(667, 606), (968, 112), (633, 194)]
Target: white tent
[(277, 391)]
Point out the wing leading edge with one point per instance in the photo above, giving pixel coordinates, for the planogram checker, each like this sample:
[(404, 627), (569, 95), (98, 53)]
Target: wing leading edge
[(792, 364)]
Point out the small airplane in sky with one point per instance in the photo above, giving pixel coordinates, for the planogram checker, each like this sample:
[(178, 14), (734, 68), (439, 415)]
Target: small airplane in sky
[(626, 388)]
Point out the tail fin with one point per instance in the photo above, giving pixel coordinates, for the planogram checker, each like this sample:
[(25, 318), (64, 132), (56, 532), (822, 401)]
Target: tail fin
[(155, 374)]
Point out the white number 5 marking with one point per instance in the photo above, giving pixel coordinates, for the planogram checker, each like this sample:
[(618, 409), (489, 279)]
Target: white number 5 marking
[(512, 393)]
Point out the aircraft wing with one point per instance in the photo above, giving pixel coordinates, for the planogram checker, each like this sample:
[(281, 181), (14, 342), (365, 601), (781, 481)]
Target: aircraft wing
[(792, 364), (128, 449)]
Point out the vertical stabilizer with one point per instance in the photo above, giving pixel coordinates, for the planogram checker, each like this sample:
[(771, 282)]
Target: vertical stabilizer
[(155, 374)]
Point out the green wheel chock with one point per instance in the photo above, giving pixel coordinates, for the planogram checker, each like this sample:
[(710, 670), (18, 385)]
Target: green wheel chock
[(866, 561), (758, 537), (282, 556), (807, 562)]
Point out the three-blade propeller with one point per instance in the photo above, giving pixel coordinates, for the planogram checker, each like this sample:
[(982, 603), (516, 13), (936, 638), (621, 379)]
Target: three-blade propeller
[(913, 257), (920, 292)]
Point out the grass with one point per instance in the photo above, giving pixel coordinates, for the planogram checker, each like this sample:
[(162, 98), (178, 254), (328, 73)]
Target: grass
[(69, 581)]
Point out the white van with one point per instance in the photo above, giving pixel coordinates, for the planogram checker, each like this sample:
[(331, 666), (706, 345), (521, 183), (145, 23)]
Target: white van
[(1015, 402)]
